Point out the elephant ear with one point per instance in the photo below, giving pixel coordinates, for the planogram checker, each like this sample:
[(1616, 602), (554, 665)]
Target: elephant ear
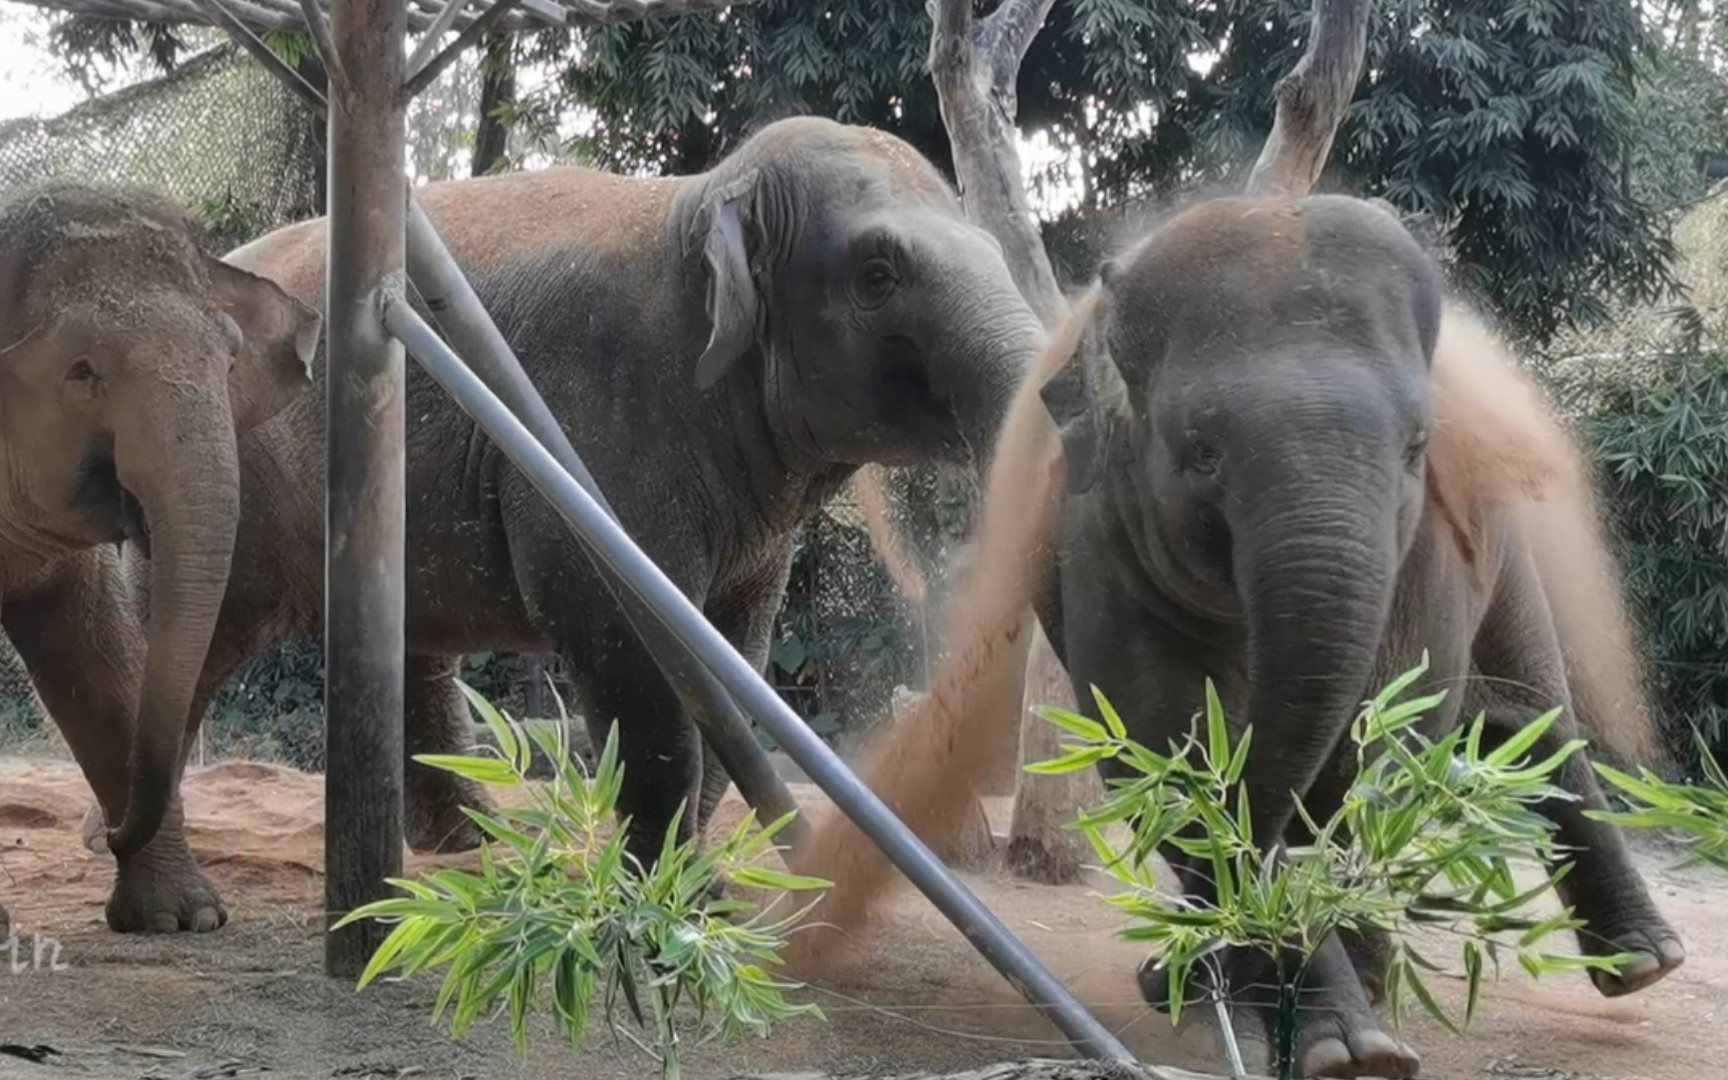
[(1084, 392), (277, 339), (726, 221)]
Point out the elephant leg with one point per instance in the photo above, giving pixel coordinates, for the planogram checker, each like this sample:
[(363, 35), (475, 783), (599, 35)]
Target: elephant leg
[(659, 745), (748, 623), (1338, 1033), (436, 722), (85, 652), (1160, 688), (1519, 657)]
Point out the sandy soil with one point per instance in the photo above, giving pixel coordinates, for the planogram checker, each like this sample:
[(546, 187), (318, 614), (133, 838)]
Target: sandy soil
[(250, 1000)]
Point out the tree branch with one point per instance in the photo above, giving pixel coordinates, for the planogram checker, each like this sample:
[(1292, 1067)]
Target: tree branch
[(1312, 99), (1011, 29), (974, 67)]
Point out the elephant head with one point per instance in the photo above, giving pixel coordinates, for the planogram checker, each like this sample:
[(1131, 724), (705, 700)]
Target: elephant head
[(1251, 410), (846, 287), (131, 359)]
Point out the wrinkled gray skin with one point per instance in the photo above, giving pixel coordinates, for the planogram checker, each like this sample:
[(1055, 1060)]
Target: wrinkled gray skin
[(856, 317), (129, 358), (1245, 430)]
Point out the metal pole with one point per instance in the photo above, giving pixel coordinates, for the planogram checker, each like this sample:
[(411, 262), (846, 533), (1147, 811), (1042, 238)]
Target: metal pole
[(474, 335), (364, 609), (438, 279), (609, 543)]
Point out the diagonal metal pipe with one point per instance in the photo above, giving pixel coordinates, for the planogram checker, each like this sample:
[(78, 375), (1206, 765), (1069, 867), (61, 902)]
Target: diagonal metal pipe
[(434, 274), (607, 542), (470, 329)]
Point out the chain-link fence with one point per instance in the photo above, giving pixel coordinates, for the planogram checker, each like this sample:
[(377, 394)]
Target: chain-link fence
[(220, 135)]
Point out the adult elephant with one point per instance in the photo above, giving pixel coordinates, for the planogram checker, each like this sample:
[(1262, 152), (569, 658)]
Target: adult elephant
[(724, 350), (1263, 491), (129, 359)]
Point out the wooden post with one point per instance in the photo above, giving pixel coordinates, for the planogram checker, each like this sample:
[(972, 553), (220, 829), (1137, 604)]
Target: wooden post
[(364, 466)]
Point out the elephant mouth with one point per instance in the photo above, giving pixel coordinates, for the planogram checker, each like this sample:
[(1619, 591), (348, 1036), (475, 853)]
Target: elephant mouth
[(101, 497)]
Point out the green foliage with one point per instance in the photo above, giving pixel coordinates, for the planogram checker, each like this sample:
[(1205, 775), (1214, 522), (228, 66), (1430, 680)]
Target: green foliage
[(1662, 443), (559, 905), (85, 44), (1426, 837), (273, 707), (1698, 812), (1512, 121), (1470, 108), (231, 221)]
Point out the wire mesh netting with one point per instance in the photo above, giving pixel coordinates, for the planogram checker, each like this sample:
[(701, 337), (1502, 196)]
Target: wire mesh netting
[(219, 134)]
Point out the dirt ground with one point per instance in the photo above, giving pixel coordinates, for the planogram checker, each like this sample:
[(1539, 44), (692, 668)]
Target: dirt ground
[(250, 999)]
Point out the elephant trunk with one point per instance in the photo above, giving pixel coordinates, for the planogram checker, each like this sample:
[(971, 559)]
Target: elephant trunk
[(995, 358), (185, 477), (1315, 561)]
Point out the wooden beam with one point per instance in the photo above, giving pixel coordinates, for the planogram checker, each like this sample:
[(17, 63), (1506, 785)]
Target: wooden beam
[(364, 598)]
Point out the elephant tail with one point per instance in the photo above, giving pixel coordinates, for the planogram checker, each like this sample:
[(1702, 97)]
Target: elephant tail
[(930, 763), (1498, 445)]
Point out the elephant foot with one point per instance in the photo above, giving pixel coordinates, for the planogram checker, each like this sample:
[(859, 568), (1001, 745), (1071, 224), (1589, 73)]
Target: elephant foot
[(1369, 952), (1654, 943), (1346, 1045), (435, 823), (161, 890), (1338, 1035)]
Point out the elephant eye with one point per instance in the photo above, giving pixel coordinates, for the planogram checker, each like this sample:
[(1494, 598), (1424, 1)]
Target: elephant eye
[(1416, 452), (81, 372), (1203, 458), (875, 283)]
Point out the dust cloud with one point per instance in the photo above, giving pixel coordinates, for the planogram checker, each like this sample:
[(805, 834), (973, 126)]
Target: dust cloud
[(1497, 443), (930, 763)]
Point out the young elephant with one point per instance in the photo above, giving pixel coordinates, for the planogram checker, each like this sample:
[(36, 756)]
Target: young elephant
[(129, 359), (1261, 491), (725, 350)]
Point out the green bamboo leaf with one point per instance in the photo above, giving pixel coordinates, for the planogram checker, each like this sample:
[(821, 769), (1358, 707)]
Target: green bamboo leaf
[(1397, 686), (407, 933), (1217, 729), (1516, 746), (1239, 760), (1431, 1006), (756, 877), (521, 842), (1472, 980), (492, 772), (1072, 762), (1118, 730), (510, 742), (1073, 723)]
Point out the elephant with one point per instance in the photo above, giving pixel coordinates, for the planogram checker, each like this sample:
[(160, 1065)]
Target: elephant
[(724, 350), (1264, 488), (132, 359)]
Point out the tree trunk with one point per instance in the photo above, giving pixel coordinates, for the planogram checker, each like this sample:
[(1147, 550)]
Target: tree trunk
[(497, 87), (1040, 846), (974, 65), (1312, 99)]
